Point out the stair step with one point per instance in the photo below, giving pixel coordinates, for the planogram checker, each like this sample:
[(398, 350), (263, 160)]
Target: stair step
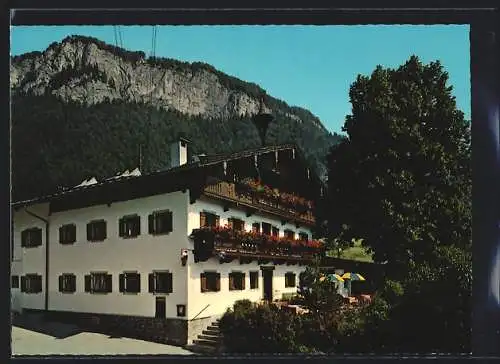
[(209, 337), (201, 349), (210, 332), (205, 342), (213, 328)]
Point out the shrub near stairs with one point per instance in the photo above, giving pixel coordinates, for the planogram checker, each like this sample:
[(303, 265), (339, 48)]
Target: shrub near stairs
[(250, 328)]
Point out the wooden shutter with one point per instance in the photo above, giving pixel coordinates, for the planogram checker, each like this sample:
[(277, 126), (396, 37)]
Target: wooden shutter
[(121, 227), (203, 219), (169, 285), (217, 280), (73, 233), (61, 278), (121, 284), (217, 220), (137, 226), (203, 280), (137, 282), (88, 282), (73, 283), (169, 221), (151, 281), (23, 283), (231, 281), (103, 232), (89, 232), (243, 280), (109, 283), (230, 223), (61, 235), (151, 224), (24, 235), (38, 284)]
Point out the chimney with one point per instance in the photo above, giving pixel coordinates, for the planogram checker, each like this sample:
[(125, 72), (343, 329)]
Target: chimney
[(179, 152)]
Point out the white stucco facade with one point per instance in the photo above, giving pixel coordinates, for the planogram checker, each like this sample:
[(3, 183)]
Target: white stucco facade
[(143, 254)]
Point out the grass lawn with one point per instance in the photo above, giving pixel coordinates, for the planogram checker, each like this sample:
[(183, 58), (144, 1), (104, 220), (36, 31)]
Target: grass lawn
[(357, 252)]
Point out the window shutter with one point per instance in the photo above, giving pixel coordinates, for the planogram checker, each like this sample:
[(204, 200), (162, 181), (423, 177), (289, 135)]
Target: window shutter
[(169, 282), (151, 280), (151, 224), (203, 280), (38, 237), (61, 283), (38, 284), (61, 235), (73, 283), (217, 286), (138, 225), (121, 227), (88, 281), (230, 223), (24, 235), (89, 232), (243, 280), (203, 219), (170, 223), (217, 220), (73, 233), (109, 283), (104, 230), (121, 284), (231, 281), (23, 283), (138, 283)]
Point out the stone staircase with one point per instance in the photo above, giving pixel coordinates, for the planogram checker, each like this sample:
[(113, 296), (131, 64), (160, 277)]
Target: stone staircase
[(209, 342)]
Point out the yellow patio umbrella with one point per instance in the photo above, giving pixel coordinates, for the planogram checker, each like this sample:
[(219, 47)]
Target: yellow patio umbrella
[(353, 276), (335, 278)]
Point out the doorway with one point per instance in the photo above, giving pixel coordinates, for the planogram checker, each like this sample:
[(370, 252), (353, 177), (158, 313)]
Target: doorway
[(267, 277), (161, 308)]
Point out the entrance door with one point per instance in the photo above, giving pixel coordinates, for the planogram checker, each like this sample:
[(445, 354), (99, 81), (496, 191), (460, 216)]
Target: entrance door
[(267, 276), (161, 307)]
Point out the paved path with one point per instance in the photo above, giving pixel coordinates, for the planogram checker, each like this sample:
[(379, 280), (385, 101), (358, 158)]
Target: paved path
[(29, 342)]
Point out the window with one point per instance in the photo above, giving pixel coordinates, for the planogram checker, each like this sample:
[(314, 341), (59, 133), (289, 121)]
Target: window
[(14, 281), (210, 282), (67, 234), (236, 224), (130, 282), (276, 231), (303, 236), (31, 283), (289, 234), (67, 283), (290, 279), (31, 238), (256, 227), (254, 280), (98, 283), (207, 219), (266, 228), (96, 230), (129, 226), (236, 281), (160, 282), (160, 222)]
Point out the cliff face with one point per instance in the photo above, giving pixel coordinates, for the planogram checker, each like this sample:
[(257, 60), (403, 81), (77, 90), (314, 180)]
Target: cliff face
[(89, 71)]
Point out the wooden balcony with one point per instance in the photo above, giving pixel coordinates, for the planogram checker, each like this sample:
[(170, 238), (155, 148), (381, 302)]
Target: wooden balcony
[(231, 193), (228, 245)]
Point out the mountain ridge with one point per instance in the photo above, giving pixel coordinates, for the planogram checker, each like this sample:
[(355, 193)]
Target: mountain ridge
[(133, 77)]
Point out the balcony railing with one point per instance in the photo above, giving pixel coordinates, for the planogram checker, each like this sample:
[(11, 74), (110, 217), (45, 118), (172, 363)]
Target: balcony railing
[(241, 194), (254, 245)]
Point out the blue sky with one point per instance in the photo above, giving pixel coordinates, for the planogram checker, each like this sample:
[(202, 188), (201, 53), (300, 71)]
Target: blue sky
[(308, 66)]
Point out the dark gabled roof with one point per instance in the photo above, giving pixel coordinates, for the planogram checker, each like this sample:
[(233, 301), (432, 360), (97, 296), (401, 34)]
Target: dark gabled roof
[(204, 161)]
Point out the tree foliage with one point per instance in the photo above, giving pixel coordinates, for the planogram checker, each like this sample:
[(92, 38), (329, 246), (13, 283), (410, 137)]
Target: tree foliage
[(401, 180)]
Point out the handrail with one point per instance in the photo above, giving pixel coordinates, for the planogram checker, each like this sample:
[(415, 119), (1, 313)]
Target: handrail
[(198, 314)]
